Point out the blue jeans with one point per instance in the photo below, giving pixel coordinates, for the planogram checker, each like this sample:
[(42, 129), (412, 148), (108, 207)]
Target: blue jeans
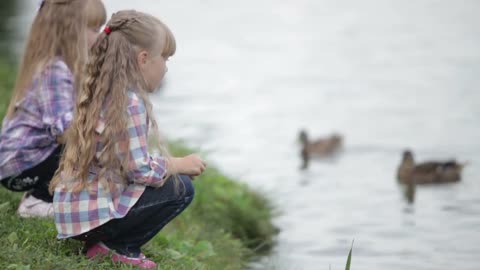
[(36, 180), (155, 208)]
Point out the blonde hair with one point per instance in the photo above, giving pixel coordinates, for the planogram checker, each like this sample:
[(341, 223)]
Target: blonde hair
[(96, 14), (58, 30), (112, 71)]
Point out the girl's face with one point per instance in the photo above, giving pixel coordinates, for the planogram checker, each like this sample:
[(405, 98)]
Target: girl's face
[(153, 68), (92, 34)]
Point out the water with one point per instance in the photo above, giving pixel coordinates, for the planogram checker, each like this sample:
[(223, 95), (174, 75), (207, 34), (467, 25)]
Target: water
[(386, 74)]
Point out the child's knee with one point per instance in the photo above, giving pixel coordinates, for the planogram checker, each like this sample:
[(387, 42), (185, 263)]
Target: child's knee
[(186, 186)]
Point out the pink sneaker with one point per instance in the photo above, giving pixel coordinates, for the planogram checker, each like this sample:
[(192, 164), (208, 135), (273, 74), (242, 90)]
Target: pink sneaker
[(99, 249), (88, 246), (33, 207)]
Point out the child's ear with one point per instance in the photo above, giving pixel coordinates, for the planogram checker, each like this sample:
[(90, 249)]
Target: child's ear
[(142, 58)]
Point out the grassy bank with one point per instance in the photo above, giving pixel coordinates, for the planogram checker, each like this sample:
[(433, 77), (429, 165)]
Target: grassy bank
[(220, 230)]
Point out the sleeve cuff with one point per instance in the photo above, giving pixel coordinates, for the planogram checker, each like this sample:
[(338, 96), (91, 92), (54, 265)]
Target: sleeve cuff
[(59, 125)]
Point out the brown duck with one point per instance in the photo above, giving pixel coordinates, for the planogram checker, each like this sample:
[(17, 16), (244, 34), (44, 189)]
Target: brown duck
[(430, 172), (323, 147)]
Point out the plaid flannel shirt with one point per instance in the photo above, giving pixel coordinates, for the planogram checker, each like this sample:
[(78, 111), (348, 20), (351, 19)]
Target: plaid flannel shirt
[(30, 136), (80, 212)]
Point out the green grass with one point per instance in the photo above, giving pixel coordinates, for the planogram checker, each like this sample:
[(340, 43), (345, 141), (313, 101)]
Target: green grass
[(7, 80), (221, 229), (349, 258)]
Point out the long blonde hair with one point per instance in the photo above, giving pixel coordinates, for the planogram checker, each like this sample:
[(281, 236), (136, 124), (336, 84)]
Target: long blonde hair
[(112, 71), (58, 30)]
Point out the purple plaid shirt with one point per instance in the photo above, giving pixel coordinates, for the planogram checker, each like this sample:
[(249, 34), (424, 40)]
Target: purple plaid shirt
[(29, 137), (80, 212)]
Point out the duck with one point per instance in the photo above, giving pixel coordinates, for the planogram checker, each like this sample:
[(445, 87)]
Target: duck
[(429, 172), (322, 147)]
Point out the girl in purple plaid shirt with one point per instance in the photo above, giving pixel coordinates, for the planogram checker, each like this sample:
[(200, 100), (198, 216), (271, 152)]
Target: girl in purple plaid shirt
[(110, 191), (41, 107)]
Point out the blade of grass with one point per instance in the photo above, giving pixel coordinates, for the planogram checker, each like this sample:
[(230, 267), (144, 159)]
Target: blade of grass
[(349, 260)]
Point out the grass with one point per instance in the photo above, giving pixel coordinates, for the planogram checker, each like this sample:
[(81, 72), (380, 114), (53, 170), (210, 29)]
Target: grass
[(349, 258), (7, 80), (224, 226)]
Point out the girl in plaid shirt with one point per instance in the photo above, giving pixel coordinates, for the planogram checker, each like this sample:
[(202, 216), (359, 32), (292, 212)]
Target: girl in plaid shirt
[(41, 107), (110, 191)]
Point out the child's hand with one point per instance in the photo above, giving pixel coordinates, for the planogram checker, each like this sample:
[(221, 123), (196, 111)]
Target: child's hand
[(191, 165)]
